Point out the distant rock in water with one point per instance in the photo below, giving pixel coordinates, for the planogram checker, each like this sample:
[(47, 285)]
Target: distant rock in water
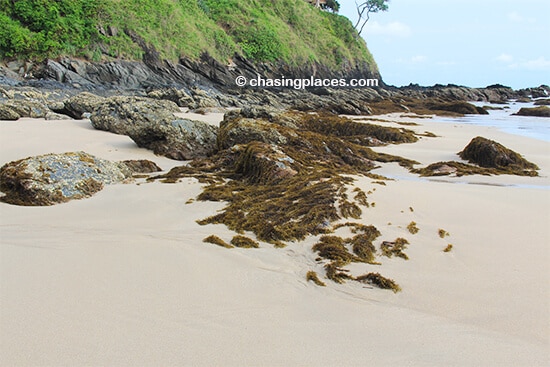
[(490, 154), (57, 178), (541, 111)]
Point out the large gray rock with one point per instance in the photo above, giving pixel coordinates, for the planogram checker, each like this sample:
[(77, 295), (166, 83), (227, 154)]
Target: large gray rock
[(56, 178), (13, 109), (7, 112), (120, 114), (541, 111), (152, 124), (179, 139), (82, 103)]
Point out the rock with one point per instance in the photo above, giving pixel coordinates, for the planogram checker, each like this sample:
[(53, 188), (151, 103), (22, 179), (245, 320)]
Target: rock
[(542, 102), (264, 163), (178, 96), (541, 111), (460, 107), (118, 114), (241, 130), (57, 178), (25, 108), (82, 103), (56, 116), (490, 154), (179, 139), (141, 166), (152, 124), (8, 113)]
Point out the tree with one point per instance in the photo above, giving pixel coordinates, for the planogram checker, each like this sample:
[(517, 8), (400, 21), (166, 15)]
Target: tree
[(332, 5), (365, 8)]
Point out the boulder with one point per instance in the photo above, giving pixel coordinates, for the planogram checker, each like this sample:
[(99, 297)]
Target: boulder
[(82, 103), (8, 113), (254, 124), (179, 139), (541, 111), (490, 154), (119, 114), (141, 166), (57, 178), (542, 102), (23, 108)]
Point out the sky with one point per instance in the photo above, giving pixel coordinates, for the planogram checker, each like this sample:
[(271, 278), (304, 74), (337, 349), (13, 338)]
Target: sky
[(474, 43)]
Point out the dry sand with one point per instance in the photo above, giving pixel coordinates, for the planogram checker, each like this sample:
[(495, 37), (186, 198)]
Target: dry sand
[(123, 278)]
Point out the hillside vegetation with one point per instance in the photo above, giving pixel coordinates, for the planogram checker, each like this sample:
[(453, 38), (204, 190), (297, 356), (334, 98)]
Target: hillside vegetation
[(291, 31)]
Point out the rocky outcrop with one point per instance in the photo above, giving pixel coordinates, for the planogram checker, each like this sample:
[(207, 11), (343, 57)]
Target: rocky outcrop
[(490, 154), (57, 178), (152, 124), (541, 111), (179, 139), (119, 114), (7, 112), (84, 102)]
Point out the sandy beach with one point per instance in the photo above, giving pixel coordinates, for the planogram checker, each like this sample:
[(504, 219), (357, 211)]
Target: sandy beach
[(124, 279)]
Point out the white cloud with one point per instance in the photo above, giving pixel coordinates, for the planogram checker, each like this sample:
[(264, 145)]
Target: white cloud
[(518, 18), (393, 29), (418, 58), (506, 58), (537, 64)]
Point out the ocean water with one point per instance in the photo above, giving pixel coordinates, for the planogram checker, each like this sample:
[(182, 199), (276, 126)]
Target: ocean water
[(504, 120)]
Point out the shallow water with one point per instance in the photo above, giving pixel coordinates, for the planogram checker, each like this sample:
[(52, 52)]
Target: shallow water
[(531, 127)]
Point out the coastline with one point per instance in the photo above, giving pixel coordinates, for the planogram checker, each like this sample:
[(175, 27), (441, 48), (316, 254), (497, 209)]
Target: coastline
[(164, 296)]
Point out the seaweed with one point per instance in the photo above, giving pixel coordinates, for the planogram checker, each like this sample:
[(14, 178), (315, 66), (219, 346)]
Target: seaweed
[(244, 242), (395, 248), (448, 248), (379, 281), (312, 276), (217, 241), (442, 233), (413, 229)]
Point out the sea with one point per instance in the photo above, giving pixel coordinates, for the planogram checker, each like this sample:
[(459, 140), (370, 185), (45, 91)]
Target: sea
[(503, 118)]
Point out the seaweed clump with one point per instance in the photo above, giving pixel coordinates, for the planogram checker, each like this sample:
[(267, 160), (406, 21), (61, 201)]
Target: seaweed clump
[(379, 281), (244, 242), (312, 276), (395, 248), (217, 241)]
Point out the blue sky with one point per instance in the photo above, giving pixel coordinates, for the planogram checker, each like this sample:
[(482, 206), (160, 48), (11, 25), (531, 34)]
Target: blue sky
[(468, 42)]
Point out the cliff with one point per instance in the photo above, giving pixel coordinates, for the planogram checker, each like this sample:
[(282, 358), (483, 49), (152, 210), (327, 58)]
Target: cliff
[(265, 36)]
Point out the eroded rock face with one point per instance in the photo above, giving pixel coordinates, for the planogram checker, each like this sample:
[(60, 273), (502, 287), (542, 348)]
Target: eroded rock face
[(57, 178), (490, 154), (14, 109)]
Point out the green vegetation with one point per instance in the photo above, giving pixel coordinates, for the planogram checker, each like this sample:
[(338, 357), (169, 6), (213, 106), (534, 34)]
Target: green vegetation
[(263, 30), (312, 276)]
